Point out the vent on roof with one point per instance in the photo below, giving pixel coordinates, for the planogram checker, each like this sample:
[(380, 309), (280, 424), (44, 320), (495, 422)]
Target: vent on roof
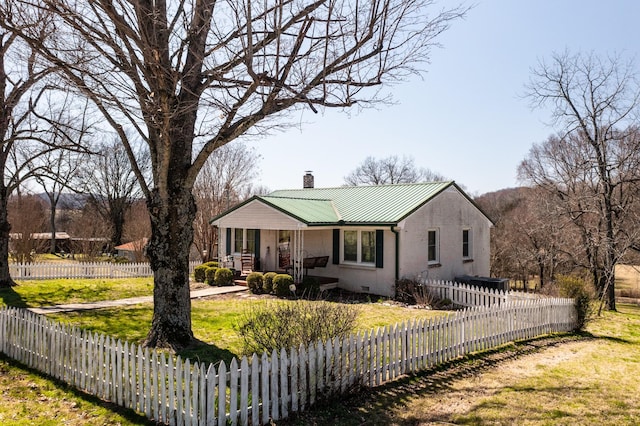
[(307, 180)]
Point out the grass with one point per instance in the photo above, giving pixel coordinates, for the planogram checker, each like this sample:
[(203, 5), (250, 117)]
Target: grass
[(628, 281), (37, 293), (213, 323), (29, 399), (586, 379)]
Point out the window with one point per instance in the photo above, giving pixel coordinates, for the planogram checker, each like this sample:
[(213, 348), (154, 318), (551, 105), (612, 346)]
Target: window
[(368, 246), (432, 246), (238, 240), (251, 240), (466, 243), (244, 240), (351, 246), (359, 246)]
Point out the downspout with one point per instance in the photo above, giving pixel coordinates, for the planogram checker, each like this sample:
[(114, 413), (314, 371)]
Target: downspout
[(397, 272)]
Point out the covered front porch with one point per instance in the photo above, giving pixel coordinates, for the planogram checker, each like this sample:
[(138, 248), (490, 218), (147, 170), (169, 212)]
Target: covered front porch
[(276, 242)]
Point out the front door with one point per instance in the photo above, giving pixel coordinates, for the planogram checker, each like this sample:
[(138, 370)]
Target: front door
[(284, 249)]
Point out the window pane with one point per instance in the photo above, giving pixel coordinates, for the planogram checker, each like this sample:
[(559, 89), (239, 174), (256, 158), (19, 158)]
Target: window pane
[(351, 246), (465, 243), (251, 240), (368, 246), (432, 255), (237, 244)]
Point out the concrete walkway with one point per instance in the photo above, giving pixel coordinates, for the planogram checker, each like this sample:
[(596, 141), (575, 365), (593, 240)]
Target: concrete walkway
[(195, 294)]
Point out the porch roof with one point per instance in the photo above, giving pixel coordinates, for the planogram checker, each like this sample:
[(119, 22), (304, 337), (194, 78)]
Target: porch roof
[(347, 205)]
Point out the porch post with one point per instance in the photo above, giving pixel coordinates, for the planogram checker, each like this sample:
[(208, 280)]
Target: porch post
[(298, 249)]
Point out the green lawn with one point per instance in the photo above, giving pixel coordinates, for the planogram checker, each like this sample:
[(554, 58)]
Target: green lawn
[(212, 320), (29, 399), (213, 323), (586, 379), (589, 379), (37, 293)]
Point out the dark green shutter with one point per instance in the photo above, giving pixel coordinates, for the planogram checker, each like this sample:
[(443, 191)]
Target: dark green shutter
[(257, 247), (336, 246), (228, 242), (379, 248)]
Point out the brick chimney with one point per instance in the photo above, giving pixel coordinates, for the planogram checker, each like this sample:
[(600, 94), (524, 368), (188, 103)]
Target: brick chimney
[(307, 180)]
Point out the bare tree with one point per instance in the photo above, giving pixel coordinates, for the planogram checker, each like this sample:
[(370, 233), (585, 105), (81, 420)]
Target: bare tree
[(57, 170), (137, 229), (27, 216), (389, 170), (593, 165), (525, 244), (111, 184), (28, 115), (225, 180), (89, 233), (190, 77)]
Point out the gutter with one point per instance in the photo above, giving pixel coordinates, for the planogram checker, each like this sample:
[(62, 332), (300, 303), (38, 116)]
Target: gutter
[(397, 265)]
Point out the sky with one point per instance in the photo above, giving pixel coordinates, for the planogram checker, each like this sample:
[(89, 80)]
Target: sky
[(466, 118)]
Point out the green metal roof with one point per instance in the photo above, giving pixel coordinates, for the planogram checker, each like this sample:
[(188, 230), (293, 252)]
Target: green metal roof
[(376, 204), (306, 210), (356, 205)]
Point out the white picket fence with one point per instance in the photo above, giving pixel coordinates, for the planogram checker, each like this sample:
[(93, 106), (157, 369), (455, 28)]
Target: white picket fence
[(470, 296), (52, 270), (255, 391)]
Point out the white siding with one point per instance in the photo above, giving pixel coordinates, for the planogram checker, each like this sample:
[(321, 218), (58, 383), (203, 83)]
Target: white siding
[(449, 213), (369, 279), (257, 215)]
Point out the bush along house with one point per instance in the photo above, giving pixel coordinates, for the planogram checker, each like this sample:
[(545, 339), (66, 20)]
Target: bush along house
[(359, 238)]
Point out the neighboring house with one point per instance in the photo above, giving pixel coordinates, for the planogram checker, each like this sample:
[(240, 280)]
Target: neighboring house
[(134, 251), (41, 241), (372, 235)]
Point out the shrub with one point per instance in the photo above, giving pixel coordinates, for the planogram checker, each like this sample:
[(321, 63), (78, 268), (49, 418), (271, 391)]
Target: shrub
[(200, 273), (405, 290), (267, 283), (281, 284), (286, 324), (223, 277), (212, 264), (413, 292), (210, 275), (578, 289), (254, 282)]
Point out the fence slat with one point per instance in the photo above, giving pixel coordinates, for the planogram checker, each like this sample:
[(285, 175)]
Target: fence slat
[(44, 271)]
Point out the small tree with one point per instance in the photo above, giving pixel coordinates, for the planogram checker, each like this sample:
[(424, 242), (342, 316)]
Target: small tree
[(27, 216), (224, 181), (389, 170)]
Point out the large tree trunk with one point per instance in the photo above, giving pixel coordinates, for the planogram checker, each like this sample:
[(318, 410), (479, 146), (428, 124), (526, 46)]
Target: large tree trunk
[(117, 222), (5, 228), (52, 226), (168, 250)]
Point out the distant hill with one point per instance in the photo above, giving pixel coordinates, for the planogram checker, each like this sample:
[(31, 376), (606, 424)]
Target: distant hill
[(68, 200), (497, 203)]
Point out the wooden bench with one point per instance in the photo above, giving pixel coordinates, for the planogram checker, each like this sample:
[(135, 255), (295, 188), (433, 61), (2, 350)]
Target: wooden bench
[(315, 262)]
